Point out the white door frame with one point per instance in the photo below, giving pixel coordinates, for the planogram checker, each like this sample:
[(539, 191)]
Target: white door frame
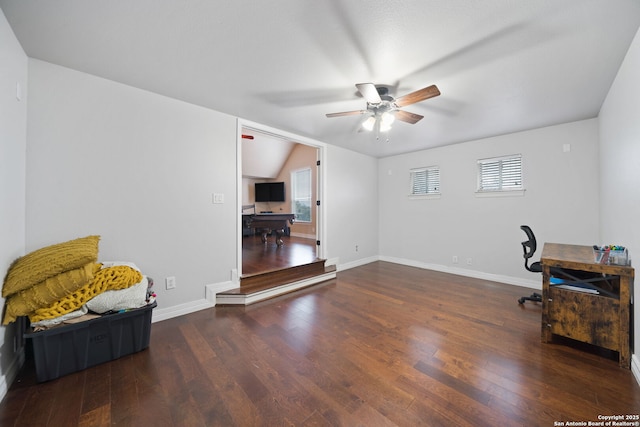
[(321, 233)]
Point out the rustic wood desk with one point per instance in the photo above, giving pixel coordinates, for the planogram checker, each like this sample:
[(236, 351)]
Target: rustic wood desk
[(597, 319)]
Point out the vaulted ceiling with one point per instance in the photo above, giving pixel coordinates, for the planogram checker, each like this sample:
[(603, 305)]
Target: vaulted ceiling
[(502, 66)]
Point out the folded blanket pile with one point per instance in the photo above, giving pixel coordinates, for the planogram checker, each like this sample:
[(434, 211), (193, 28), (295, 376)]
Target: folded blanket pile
[(49, 261), (66, 281), (117, 277)]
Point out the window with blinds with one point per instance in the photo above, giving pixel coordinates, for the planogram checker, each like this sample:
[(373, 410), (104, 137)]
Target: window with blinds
[(425, 181), (500, 174), (301, 194)]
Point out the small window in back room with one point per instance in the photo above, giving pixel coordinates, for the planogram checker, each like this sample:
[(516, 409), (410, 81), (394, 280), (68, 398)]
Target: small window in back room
[(301, 194), (424, 181), (500, 174)]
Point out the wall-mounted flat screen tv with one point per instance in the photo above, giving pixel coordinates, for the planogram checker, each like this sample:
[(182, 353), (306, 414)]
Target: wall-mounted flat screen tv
[(269, 191)]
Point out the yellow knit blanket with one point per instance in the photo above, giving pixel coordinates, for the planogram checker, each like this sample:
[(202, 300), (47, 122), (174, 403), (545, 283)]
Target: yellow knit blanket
[(47, 292), (109, 278), (50, 261)]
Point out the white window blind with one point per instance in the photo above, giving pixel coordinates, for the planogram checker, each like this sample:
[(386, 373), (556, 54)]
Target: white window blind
[(301, 197), (425, 181), (500, 174)]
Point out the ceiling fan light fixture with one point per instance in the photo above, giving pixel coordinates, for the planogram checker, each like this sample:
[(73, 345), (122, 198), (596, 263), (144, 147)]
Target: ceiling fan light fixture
[(369, 123), (386, 120), (383, 108)]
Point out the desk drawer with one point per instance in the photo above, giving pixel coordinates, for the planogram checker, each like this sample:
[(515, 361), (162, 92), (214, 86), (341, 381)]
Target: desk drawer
[(585, 317)]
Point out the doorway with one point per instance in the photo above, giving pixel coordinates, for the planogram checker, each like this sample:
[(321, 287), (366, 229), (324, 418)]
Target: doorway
[(268, 155)]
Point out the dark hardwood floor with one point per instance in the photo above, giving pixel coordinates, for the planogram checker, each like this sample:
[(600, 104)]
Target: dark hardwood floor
[(258, 257), (380, 345)]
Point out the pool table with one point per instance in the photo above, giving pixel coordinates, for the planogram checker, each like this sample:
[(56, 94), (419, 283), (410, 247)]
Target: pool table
[(267, 223)]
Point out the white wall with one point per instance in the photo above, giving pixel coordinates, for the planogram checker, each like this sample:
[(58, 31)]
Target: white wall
[(138, 169), (620, 168), (351, 202), (560, 203), (13, 139)]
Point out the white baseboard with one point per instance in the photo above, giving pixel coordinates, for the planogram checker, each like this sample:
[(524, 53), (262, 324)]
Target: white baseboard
[(356, 263), (516, 281), (215, 288), (209, 301), (635, 367), (304, 236), (12, 371), (159, 314)]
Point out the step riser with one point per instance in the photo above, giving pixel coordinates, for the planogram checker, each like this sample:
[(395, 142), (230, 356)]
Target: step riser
[(279, 277), (251, 298)]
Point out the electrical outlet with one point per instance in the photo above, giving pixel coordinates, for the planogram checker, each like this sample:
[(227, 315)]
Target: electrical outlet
[(356, 248), (455, 259), (170, 282), (469, 261)]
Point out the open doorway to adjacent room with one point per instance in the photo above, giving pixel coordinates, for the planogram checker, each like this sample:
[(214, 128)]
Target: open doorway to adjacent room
[(279, 178)]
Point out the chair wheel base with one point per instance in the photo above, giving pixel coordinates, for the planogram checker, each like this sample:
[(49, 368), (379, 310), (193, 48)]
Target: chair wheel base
[(535, 297)]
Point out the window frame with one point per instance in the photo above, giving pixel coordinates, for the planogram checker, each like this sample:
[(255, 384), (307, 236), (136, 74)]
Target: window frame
[(432, 190), (504, 187), (294, 187)]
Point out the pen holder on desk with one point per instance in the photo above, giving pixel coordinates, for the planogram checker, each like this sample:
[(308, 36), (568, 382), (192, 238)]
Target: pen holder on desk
[(606, 255)]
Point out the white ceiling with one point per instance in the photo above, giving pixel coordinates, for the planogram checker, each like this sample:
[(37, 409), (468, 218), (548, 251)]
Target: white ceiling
[(264, 156), (502, 65)]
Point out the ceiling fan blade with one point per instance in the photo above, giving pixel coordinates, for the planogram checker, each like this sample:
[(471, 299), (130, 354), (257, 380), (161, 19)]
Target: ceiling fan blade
[(369, 92), (417, 96), (408, 117), (347, 113)]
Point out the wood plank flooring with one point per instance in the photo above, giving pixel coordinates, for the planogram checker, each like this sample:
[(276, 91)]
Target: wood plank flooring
[(258, 257), (380, 345), (270, 270)]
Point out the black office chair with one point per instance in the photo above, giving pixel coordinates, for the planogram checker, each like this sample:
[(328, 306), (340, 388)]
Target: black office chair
[(595, 281), (529, 248)]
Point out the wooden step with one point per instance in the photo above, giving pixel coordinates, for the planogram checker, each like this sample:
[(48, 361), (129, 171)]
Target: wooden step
[(253, 282), (258, 287)]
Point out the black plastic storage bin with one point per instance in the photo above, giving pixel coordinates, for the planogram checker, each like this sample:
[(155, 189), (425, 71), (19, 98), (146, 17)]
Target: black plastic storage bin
[(70, 348)]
